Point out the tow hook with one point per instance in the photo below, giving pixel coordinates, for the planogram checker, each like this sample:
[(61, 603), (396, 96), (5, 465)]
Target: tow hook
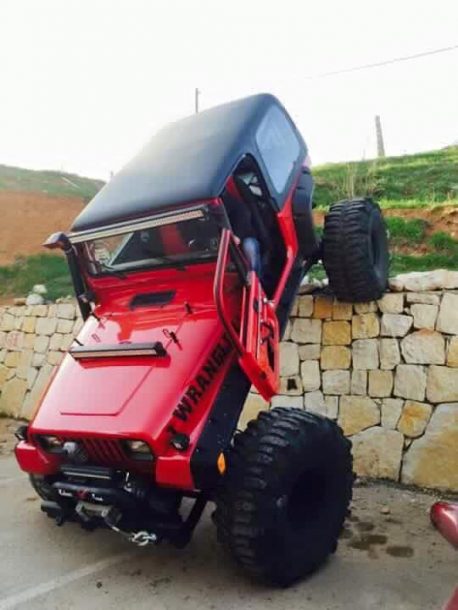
[(143, 538), (112, 517)]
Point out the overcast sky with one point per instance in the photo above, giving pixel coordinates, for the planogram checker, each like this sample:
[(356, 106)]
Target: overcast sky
[(83, 84)]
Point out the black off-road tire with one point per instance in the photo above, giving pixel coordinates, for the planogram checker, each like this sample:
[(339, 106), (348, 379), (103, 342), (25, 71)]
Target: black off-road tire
[(355, 250), (42, 487), (285, 496)]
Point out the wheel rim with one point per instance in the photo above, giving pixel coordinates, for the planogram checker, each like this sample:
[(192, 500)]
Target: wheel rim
[(377, 237), (306, 499), (374, 250)]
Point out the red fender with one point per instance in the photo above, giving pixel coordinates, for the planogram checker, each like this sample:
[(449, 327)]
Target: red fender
[(452, 603), (444, 516)]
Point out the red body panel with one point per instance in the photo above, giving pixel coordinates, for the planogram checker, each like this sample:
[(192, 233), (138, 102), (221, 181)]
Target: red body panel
[(444, 516), (136, 397), (256, 333), (144, 398), (452, 603), (33, 459), (288, 231)]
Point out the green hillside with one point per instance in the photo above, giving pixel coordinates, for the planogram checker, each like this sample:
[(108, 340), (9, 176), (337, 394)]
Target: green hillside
[(419, 180), (423, 180), (50, 182), (18, 279), (411, 181)]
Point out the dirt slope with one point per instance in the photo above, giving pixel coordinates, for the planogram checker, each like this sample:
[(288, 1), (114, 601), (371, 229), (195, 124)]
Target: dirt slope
[(27, 219), (438, 218)]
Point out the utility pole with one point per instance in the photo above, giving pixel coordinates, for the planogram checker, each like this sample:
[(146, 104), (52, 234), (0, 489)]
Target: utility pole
[(196, 99), (379, 135)]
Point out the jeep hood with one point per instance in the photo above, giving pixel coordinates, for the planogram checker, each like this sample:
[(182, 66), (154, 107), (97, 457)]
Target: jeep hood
[(128, 396)]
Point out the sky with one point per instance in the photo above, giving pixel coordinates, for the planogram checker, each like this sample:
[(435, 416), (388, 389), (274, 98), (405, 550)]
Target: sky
[(84, 84)]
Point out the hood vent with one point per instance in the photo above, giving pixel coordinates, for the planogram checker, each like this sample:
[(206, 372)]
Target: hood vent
[(149, 299)]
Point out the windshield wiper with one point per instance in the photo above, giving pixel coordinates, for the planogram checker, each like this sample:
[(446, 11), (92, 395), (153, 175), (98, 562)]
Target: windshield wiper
[(161, 259), (170, 261), (116, 272)]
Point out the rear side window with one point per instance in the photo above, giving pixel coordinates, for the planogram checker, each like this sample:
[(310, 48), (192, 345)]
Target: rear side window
[(278, 147)]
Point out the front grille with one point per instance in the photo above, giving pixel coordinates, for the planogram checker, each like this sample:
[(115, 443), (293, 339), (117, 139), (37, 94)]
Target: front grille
[(103, 452)]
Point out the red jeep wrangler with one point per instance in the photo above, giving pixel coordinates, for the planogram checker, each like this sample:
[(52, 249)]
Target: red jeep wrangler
[(185, 267)]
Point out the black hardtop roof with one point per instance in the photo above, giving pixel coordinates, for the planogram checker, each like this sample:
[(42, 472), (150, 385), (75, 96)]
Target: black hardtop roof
[(186, 161)]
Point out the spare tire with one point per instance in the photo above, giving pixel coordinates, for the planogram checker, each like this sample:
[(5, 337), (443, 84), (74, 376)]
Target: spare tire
[(355, 250)]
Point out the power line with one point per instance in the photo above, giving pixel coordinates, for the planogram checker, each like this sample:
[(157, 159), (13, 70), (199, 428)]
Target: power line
[(384, 63)]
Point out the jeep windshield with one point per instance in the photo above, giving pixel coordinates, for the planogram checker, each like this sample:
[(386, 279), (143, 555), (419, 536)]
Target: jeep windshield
[(173, 241)]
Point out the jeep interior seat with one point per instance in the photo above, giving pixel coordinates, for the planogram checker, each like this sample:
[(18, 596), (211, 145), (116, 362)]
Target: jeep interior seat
[(261, 232)]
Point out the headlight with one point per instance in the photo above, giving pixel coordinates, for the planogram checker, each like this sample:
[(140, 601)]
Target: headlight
[(22, 433), (139, 450), (51, 443)]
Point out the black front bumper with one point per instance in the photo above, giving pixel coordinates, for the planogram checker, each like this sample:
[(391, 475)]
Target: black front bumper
[(131, 505)]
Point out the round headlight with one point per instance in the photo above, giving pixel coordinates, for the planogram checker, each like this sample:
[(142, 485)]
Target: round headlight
[(138, 449), (138, 446), (50, 442)]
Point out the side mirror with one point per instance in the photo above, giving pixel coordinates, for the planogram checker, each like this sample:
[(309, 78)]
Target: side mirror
[(58, 240)]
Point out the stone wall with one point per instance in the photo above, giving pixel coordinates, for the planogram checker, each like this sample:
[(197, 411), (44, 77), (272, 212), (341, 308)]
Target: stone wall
[(33, 340), (386, 371)]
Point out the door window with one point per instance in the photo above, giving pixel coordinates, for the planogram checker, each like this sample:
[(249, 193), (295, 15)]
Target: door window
[(278, 147)]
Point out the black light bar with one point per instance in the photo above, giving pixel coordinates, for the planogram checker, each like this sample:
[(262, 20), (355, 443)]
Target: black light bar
[(127, 227), (88, 472), (156, 350)]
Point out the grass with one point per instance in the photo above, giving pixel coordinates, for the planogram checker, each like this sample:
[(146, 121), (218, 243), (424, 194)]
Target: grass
[(441, 248), (443, 242), (49, 269), (413, 181), (19, 278), (404, 263), (406, 231), (407, 234), (50, 182), (410, 204), (417, 180)]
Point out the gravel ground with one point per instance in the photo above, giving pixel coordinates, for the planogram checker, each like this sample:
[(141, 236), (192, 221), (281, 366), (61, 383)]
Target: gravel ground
[(389, 557)]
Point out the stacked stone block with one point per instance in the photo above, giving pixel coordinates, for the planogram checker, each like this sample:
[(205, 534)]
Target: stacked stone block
[(386, 371)]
